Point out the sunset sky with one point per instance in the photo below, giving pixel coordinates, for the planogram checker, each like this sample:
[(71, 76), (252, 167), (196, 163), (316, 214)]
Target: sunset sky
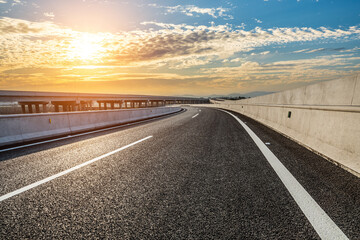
[(176, 47)]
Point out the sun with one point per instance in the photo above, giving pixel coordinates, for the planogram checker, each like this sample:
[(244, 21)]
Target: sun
[(86, 48)]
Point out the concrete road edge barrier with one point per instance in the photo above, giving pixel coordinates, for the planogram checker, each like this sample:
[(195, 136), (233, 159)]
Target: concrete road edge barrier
[(21, 128), (324, 117)]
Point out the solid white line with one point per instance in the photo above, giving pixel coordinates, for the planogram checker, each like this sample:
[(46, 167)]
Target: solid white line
[(321, 222), (80, 134), (35, 184), (195, 115)]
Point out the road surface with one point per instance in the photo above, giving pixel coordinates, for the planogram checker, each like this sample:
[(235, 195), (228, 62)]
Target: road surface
[(193, 175)]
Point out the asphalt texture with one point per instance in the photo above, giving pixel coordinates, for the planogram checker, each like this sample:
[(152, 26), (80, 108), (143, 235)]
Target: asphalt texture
[(196, 178)]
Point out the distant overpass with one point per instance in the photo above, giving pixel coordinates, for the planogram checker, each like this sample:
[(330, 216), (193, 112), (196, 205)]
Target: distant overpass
[(85, 101)]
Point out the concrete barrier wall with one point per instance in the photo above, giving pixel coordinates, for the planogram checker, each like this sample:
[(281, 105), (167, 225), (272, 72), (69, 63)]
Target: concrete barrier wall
[(28, 127), (324, 117)]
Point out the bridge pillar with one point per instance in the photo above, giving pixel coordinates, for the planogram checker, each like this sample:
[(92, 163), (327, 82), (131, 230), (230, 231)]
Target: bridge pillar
[(66, 105), (44, 107), (30, 108)]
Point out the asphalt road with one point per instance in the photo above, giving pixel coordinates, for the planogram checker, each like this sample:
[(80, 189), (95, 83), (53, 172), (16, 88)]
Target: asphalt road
[(198, 177)]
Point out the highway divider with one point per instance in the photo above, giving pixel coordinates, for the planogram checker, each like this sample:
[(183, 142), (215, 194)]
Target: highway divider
[(19, 128), (324, 117)]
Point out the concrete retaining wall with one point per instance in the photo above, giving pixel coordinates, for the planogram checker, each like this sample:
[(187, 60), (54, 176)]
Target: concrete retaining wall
[(324, 117), (28, 127)]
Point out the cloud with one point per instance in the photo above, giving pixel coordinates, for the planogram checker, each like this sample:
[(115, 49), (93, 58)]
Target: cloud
[(49, 14), (316, 50), (281, 75), (18, 2), (3, 1), (260, 53), (191, 10), (170, 43), (123, 56), (307, 50), (257, 20), (350, 50), (301, 50), (236, 60), (18, 26), (175, 45)]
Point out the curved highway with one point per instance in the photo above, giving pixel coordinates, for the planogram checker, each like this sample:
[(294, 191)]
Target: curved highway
[(193, 175)]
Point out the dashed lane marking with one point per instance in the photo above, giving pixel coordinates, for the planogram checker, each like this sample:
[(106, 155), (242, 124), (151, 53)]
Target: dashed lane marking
[(48, 179)]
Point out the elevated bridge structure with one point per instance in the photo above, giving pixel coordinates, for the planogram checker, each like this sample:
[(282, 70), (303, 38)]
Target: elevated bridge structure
[(36, 102)]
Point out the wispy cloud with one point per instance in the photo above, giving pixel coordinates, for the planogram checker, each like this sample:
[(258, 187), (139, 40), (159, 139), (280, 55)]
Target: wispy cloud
[(257, 20), (260, 53), (18, 2), (192, 10), (307, 50), (301, 50), (49, 14), (316, 50)]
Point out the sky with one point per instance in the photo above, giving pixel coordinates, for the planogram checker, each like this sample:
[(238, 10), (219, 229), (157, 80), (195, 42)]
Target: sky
[(174, 47)]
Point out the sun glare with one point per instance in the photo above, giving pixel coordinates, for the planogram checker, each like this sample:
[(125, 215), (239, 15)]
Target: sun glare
[(86, 47)]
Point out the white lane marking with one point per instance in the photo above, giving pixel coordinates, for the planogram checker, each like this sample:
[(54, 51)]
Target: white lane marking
[(80, 134), (321, 222), (45, 180), (195, 115)]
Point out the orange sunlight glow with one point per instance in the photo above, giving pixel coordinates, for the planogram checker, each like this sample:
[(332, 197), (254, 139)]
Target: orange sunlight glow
[(86, 48)]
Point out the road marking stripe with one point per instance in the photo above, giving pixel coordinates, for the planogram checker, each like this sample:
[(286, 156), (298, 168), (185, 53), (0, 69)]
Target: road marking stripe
[(321, 222), (35, 184), (195, 115), (82, 134)]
